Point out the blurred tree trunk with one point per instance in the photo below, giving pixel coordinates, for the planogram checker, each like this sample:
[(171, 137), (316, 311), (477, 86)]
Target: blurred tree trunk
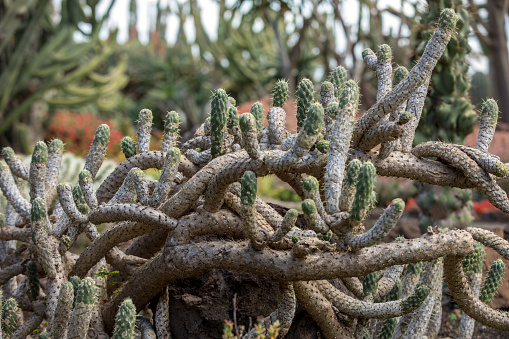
[(499, 57)]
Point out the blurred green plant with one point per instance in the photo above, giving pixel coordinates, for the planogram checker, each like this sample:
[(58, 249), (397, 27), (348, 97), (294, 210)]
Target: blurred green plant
[(41, 61), (271, 187)]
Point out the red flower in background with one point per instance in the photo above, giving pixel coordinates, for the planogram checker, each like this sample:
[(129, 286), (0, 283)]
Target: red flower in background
[(77, 131)]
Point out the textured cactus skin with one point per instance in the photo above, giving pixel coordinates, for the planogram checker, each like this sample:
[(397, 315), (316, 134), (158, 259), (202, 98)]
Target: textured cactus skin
[(280, 93), (218, 117), (493, 281), (365, 185), (82, 313), (416, 299), (474, 262), (75, 281), (388, 328), (9, 317), (128, 147), (125, 321), (370, 283), (33, 280), (249, 186)]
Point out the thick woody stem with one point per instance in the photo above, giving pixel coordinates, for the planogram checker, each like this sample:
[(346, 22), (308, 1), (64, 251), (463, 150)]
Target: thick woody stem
[(464, 297), (469, 167), (320, 309), (366, 309), (131, 212), (338, 156), (490, 239)]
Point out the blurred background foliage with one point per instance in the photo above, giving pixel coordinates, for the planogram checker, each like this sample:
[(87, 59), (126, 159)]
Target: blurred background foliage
[(61, 75)]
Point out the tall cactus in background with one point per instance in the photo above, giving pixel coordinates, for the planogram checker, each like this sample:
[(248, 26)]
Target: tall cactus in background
[(448, 115)]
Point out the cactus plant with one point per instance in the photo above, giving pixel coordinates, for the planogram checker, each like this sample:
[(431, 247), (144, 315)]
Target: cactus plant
[(203, 214)]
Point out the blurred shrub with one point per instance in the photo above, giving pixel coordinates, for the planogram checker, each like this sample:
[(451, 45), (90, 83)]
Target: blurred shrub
[(271, 187), (77, 130)]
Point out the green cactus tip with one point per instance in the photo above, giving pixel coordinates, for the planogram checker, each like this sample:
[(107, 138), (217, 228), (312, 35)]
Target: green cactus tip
[(172, 121), (145, 116), (398, 204), (280, 93), (8, 153), (257, 112), (248, 188), (85, 177), (308, 207), (448, 19), (323, 146), (384, 52), (173, 154), (56, 146), (349, 94), (493, 281), (399, 74), (86, 291), (501, 169), (314, 119), (102, 136), (247, 122), (128, 147), (310, 183), (366, 52), (338, 77), (40, 154), (125, 320), (490, 108)]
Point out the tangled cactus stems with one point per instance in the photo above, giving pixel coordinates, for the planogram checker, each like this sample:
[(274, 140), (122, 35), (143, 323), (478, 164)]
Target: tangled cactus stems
[(203, 214)]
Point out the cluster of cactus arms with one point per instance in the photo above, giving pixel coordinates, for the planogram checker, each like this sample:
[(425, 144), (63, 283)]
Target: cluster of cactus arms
[(208, 187)]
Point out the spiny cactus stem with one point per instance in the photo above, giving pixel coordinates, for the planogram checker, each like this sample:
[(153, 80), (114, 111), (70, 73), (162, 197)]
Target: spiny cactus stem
[(87, 188), (381, 228), (336, 161), (417, 76), (67, 203), (18, 168), (171, 131), (370, 58), (38, 171), (469, 167), (249, 135), (98, 148), (415, 106), (461, 292), (12, 193), (384, 71), (144, 127), (358, 308), (286, 225)]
